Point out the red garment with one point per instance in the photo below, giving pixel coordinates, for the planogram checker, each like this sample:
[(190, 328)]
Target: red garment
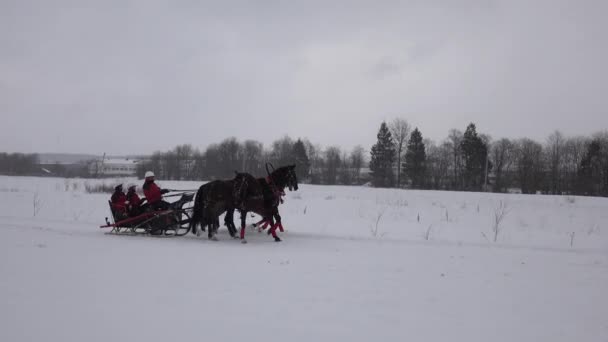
[(152, 192), (118, 201), (134, 200)]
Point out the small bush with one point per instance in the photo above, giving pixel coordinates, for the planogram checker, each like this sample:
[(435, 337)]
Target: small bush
[(500, 211), (36, 203)]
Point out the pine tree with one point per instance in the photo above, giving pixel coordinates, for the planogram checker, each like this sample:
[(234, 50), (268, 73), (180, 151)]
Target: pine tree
[(415, 160), (474, 152), (382, 157), (590, 171), (301, 160)]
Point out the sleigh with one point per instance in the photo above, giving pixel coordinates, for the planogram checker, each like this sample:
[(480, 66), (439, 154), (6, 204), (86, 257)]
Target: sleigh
[(174, 221)]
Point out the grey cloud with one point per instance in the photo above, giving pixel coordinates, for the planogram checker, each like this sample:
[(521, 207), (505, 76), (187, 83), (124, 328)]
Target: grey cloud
[(88, 76)]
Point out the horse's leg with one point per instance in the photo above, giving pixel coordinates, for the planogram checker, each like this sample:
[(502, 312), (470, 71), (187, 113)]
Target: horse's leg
[(277, 217), (210, 229), (203, 222), (229, 222), (260, 221), (243, 222), (264, 225), (213, 227), (273, 228)]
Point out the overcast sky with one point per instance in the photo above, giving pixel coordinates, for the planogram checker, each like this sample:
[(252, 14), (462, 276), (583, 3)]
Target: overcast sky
[(138, 76)]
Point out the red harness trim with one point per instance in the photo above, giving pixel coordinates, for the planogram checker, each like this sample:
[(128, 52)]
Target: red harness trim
[(275, 190)]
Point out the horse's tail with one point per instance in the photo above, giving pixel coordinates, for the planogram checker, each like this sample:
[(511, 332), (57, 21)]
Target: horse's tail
[(197, 210)]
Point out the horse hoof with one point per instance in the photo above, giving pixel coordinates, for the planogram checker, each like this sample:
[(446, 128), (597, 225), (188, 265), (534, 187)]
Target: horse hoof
[(277, 239), (243, 241)]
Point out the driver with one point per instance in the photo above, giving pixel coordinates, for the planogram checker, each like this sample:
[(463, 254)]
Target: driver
[(153, 193)]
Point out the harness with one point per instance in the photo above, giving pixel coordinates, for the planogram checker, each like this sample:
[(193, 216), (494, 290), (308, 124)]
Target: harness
[(239, 193), (277, 193)]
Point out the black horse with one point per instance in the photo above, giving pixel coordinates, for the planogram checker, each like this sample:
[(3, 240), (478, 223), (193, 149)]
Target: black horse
[(212, 200), (263, 196)]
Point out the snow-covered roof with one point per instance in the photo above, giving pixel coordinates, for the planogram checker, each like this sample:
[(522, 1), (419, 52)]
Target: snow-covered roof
[(120, 161)]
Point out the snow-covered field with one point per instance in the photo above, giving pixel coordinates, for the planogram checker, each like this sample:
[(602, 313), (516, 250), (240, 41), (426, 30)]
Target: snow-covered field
[(356, 264)]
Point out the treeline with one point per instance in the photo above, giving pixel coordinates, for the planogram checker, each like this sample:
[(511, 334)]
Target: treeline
[(19, 164), (314, 164), (403, 158), (470, 161)]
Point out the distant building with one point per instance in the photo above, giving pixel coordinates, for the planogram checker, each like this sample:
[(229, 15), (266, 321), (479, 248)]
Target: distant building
[(113, 167)]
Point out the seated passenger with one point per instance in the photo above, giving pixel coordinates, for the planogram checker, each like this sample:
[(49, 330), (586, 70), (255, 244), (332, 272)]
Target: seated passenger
[(118, 201), (133, 203)]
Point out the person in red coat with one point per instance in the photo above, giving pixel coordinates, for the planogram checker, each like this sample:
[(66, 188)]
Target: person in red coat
[(133, 202), (119, 200), (153, 193)]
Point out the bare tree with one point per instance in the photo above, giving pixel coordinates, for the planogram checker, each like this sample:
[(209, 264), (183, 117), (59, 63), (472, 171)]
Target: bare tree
[(502, 155), (282, 151), (602, 139), (357, 160), (332, 164), (252, 157), (455, 140), (554, 152), (574, 151), (346, 173), (400, 130), (212, 162), (438, 160), (18, 163), (199, 165), (229, 155), (530, 165), (185, 164), (170, 165), (315, 158), (156, 164)]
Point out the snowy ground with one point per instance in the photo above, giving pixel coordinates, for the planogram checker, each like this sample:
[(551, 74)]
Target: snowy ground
[(356, 264)]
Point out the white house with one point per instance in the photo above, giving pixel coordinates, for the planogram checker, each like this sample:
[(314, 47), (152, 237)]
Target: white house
[(113, 167)]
